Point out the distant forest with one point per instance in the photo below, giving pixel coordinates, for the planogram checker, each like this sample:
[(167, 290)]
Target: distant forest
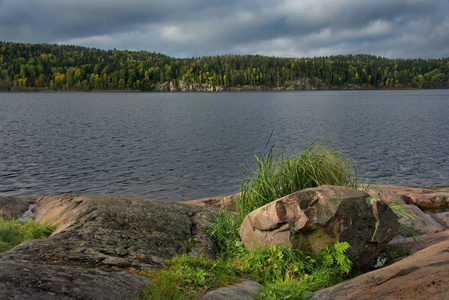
[(35, 67)]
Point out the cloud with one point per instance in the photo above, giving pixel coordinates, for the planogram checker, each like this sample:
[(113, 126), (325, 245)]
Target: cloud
[(186, 28)]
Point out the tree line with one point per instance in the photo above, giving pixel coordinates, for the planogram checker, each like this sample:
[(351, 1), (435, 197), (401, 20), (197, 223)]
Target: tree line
[(29, 67)]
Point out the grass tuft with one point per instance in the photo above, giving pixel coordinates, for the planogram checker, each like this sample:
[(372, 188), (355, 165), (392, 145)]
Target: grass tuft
[(225, 234), (274, 178), (13, 232)]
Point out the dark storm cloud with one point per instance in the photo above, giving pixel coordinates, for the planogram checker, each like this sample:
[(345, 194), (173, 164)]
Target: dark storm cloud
[(184, 28)]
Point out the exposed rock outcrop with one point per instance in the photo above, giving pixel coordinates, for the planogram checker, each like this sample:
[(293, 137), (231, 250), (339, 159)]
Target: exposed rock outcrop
[(116, 231), (423, 275), (180, 86), (435, 200), (245, 290), (310, 218), (99, 238), (42, 281), (417, 200), (297, 85), (95, 235)]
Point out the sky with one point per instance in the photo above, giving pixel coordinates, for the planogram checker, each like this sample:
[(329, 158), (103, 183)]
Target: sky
[(194, 28)]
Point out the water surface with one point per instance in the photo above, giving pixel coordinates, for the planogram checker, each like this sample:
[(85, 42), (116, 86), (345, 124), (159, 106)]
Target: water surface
[(181, 146)]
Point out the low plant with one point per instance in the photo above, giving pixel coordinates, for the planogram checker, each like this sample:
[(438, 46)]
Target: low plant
[(13, 232), (284, 273), (300, 274), (225, 233), (185, 277)]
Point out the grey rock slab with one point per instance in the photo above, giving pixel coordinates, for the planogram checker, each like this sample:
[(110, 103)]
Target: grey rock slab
[(35, 281), (421, 222), (115, 231), (245, 290), (442, 219)]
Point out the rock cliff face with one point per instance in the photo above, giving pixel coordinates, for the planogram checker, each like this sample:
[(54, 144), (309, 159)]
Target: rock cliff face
[(105, 233), (298, 85), (180, 86)]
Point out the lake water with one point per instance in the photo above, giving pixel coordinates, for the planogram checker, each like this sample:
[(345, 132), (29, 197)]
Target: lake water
[(181, 146)]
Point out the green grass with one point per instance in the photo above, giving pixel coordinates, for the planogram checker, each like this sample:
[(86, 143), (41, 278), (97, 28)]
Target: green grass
[(284, 273), (274, 178), (225, 234), (185, 277), (13, 232)]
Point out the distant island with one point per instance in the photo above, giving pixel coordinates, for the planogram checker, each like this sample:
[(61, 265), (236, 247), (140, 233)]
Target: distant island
[(51, 67)]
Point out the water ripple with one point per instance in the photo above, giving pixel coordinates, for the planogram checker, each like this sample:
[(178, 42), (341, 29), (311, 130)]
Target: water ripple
[(186, 146)]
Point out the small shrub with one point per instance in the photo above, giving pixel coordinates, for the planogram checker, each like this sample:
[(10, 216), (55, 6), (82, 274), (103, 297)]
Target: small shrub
[(275, 263), (305, 273)]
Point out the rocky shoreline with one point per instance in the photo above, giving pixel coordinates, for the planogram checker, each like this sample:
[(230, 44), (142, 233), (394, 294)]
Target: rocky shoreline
[(305, 84), (100, 240)]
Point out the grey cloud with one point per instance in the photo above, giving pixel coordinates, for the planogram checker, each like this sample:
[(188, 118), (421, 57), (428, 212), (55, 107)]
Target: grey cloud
[(185, 28), (85, 18)]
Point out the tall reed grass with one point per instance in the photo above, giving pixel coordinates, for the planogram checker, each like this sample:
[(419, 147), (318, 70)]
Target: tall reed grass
[(275, 177)]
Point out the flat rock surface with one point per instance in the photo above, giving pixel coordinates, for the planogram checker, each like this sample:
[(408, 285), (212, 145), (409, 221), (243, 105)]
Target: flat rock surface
[(34, 280), (435, 200), (422, 275), (97, 239), (422, 223), (245, 290), (226, 202), (413, 245), (117, 232)]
